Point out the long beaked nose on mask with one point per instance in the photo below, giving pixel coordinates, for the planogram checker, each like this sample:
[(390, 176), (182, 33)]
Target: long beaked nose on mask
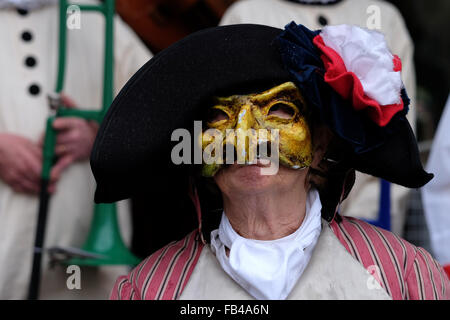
[(246, 136), (233, 141), (242, 128), (245, 118)]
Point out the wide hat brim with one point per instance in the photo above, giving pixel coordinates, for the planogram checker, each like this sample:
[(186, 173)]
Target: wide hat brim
[(132, 149)]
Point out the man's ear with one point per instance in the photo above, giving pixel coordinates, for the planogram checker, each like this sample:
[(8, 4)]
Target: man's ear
[(322, 136), (317, 175), (349, 182)]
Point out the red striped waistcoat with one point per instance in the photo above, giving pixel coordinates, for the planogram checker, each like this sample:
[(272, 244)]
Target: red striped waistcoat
[(406, 271)]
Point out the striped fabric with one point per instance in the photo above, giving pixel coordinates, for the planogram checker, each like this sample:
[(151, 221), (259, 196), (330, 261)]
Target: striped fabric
[(164, 274), (405, 271)]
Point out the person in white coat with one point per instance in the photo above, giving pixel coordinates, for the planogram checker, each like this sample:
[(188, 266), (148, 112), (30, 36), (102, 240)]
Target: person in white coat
[(373, 14), (436, 195), (28, 60)]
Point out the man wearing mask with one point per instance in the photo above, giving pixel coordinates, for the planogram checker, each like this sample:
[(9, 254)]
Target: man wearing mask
[(372, 14)]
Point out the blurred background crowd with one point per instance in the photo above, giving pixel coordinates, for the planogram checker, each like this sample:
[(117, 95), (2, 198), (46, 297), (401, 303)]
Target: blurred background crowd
[(415, 30)]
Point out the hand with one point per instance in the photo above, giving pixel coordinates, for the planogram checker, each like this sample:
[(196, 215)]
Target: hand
[(20, 163), (73, 143), (67, 101)]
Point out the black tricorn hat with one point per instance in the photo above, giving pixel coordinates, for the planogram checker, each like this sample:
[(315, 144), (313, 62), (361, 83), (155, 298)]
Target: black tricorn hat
[(131, 153)]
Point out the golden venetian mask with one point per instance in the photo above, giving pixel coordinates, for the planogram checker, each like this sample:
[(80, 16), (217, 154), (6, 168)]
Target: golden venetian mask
[(278, 110)]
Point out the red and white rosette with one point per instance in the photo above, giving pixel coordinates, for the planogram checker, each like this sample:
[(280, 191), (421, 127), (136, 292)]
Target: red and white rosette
[(359, 66)]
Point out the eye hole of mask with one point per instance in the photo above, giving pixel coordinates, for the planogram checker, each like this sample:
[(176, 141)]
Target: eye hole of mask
[(281, 110), (216, 115)]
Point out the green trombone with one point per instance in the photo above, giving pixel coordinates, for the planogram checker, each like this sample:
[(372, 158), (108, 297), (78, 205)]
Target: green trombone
[(104, 245)]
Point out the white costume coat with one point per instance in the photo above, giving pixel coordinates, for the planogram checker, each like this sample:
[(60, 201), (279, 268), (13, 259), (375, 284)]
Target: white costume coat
[(24, 114)]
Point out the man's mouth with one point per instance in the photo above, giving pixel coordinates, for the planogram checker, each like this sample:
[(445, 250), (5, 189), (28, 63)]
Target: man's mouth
[(263, 163)]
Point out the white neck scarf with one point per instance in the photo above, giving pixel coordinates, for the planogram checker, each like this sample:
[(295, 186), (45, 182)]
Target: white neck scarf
[(269, 269), (26, 4)]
